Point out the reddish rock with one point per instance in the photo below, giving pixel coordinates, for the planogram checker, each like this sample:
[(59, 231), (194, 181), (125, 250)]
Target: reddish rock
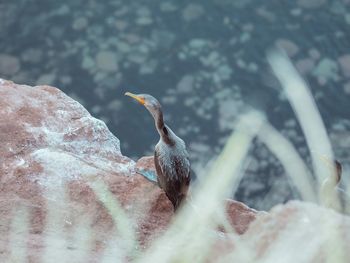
[(298, 232), (146, 163), (52, 151), (240, 215)]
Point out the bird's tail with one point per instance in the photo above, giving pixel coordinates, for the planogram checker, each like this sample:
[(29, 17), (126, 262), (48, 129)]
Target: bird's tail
[(180, 200)]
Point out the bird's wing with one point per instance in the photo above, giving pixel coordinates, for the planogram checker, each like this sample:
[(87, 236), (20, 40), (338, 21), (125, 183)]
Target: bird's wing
[(183, 171), (174, 181), (177, 186), (159, 171)]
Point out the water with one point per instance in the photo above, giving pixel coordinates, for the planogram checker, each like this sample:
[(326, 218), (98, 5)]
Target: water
[(204, 60)]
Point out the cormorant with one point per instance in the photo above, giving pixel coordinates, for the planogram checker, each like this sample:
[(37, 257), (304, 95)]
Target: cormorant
[(330, 189), (170, 156)]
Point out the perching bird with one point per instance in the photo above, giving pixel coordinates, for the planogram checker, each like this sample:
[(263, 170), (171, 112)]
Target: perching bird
[(170, 156), (331, 194)]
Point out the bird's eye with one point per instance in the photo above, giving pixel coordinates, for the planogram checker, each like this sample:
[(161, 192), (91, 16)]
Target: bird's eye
[(165, 131)]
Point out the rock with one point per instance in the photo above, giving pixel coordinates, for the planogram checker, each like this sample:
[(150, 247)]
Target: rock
[(347, 88), (266, 14), (344, 62), (326, 69), (144, 16), (192, 12), (132, 38), (167, 6), (245, 37), (55, 144), (240, 215), (347, 18), (106, 61), (32, 55), (185, 85), (297, 226), (198, 43), (88, 62), (63, 10), (80, 23), (314, 54), (288, 46), (46, 79), (304, 66), (121, 25), (310, 4), (143, 11), (163, 38), (9, 65), (144, 21), (61, 170), (296, 12)]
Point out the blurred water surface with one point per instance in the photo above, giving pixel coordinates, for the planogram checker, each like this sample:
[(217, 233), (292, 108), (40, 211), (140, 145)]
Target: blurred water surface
[(204, 60)]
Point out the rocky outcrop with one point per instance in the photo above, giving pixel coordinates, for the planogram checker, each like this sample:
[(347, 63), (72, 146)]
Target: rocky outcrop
[(62, 171), (52, 153)]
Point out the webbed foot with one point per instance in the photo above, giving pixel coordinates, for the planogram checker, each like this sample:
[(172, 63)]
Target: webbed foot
[(149, 175)]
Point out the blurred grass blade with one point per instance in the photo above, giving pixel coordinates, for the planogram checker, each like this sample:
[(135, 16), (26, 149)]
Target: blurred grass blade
[(290, 159), (81, 241), (122, 222), (315, 133), (55, 236), (18, 235), (113, 252), (305, 109)]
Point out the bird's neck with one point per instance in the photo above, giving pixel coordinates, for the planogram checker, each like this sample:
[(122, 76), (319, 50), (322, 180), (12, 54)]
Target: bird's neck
[(158, 119), (162, 129)]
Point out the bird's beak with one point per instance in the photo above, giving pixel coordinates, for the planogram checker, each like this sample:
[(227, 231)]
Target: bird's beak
[(136, 97)]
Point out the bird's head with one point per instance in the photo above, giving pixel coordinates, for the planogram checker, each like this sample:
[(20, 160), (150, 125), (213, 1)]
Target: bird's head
[(154, 107), (151, 103), (339, 169)]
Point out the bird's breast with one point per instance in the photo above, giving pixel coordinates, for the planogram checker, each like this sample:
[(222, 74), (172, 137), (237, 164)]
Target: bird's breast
[(173, 160)]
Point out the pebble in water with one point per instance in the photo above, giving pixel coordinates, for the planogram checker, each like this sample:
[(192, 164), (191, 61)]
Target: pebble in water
[(344, 62), (310, 4), (305, 66), (106, 61), (80, 23), (288, 46), (327, 69), (168, 7), (46, 79), (9, 65), (32, 55), (192, 12), (186, 84), (347, 88)]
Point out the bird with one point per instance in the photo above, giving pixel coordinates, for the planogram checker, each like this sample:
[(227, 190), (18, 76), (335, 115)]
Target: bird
[(171, 158), (331, 194)]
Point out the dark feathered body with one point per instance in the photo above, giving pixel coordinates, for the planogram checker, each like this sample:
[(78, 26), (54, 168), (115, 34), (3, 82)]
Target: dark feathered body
[(170, 156), (173, 168)]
